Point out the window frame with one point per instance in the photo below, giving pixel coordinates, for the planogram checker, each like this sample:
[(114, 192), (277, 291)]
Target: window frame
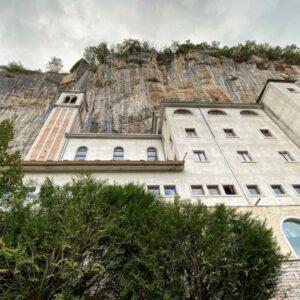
[(248, 113), (155, 151), (199, 186), (216, 112), (255, 186), (225, 130), (295, 186), (76, 154), (241, 154), (291, 218), (213, 186), (182, 111), (268, 131), (190, 130), (281, 187), (170, 186), (195, 152), (283, 153), (114, 153), (233, 188), (154, 186)]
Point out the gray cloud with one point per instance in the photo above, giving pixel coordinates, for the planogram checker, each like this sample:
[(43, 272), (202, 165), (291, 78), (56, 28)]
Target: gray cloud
[(32, 31)]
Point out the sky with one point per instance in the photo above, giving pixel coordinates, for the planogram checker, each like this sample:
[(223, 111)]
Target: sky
[(33, 31)]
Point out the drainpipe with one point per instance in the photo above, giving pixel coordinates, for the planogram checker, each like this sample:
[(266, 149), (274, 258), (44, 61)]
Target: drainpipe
[(224, 156)]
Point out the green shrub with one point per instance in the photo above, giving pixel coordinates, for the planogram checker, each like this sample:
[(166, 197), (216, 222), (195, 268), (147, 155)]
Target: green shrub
[(92, 239), (17, 68)]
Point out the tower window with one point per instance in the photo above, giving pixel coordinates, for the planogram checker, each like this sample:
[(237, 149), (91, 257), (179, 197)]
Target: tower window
[(244, 156), (73, 100), (81, 153), (151, 154), (229, 132), (286, 156), (67, 99), (248, 113), (190, 132), (118, 153)]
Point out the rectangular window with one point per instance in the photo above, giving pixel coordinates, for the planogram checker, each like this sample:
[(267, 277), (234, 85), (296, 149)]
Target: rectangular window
[(200, 156), (297, 188), (286, 156), (266, 132), (244, 156), (153, 189), (253, 189), (190, 132), (277, 189), (30, 193), (229, 189), (229, 132), (197, 190), (213, 190), (170, 190)]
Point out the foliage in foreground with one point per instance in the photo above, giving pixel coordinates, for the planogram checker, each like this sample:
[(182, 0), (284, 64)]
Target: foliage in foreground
[(88, 239), (240, 53)]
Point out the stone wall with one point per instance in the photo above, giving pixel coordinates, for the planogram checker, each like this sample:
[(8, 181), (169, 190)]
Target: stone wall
[(289, 287)]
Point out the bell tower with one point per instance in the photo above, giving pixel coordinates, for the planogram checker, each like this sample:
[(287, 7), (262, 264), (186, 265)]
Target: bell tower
[(66, 116)]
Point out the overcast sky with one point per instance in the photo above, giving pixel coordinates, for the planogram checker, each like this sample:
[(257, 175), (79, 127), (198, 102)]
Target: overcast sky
[(32, 31)]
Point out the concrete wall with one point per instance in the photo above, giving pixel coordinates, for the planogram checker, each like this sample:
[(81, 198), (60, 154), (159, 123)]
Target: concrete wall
[(283, 106)]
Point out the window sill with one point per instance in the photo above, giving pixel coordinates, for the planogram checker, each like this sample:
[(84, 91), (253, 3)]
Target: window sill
[(258, 195), (220, 196)]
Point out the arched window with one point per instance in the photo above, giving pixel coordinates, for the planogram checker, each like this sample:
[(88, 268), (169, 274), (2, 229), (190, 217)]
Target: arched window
[(216, 112), (81, 153), (67, 99), (248, 113), (73, 100), (291, 230), (118, 153), (182, 112), (151, 154)]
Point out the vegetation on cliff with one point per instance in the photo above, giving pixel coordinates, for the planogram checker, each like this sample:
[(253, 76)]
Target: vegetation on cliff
[(87, 239), (18, 68), (239, 53)]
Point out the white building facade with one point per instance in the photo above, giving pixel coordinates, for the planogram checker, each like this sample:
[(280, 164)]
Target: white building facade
[(243, 155)]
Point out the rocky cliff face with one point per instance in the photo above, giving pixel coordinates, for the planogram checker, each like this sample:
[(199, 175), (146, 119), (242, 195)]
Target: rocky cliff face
[(123, 95)]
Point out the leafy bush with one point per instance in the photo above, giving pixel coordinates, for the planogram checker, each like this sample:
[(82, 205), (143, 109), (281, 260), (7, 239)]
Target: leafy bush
[(17, 68), (88, 239)]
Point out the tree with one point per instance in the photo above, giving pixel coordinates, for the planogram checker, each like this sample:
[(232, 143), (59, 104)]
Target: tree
[(89, 239), (11, 178), (97, 54), (55, 65)]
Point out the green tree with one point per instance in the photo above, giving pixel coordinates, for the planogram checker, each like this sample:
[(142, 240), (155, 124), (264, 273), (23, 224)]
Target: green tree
[(97, 54), (11, 178), (88, 239), (55, 65)]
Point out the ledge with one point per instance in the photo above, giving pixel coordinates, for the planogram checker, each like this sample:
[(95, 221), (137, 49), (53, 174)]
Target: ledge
[(113, 136), (101, 165)]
